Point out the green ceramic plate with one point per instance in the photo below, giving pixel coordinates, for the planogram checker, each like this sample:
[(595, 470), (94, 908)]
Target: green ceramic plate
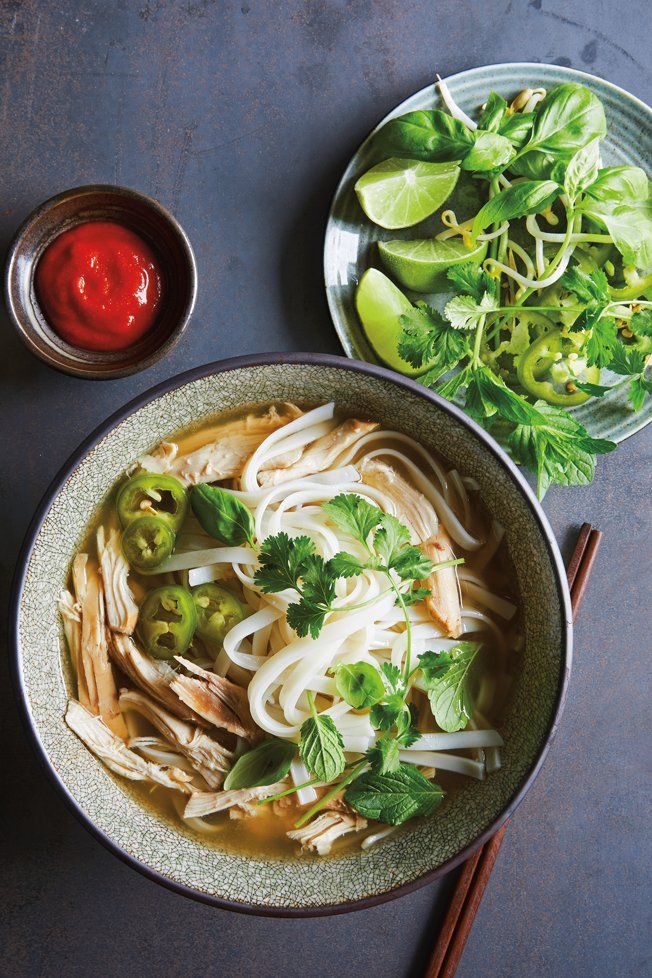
[(350, 236)]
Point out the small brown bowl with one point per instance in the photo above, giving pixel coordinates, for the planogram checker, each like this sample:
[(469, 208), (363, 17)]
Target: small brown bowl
[(101, 202)]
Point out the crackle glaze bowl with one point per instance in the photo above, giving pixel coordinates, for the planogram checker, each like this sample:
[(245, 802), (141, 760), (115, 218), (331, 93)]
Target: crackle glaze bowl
[(163, 850)]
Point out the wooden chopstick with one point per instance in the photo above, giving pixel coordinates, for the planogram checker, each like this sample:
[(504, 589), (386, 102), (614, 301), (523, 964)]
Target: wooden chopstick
[(474, 876)]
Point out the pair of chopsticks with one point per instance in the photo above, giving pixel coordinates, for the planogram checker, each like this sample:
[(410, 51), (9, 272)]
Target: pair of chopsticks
[(476, 871)]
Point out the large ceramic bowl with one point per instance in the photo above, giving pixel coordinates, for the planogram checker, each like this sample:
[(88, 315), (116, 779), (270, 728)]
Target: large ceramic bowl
[(162, 849)]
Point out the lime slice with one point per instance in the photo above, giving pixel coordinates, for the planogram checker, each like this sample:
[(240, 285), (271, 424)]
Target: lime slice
[(380, 305), (399, 193), (421, 265)]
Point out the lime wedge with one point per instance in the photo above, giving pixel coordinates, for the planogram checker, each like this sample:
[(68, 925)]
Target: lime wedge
[(399, 193), (420, 265), (380, 305)]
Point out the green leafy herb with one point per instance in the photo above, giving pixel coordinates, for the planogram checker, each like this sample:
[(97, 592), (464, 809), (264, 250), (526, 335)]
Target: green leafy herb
[(528, 197), (582, 169), (446, 675), (602, 342), (568, 118), (493, 113), (393, 797), (384, 756), (641, 322), (222, 515), (490, 151), (359, 683), (464, 312), (470, 279), (265, 764), (282, 562), (320, 746), (353, 514), (428, 337), (639, 387), (426, 135)]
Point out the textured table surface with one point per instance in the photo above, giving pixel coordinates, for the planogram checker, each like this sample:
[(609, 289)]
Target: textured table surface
[(240, 117)]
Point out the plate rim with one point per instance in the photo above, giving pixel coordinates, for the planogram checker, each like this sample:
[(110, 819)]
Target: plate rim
[(180, 380), (347, 342)]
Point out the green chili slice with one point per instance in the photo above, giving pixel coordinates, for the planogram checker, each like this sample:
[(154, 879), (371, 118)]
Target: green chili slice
[(153, 495), (218, 611), (167, 621), (147, 542), (546, 368)]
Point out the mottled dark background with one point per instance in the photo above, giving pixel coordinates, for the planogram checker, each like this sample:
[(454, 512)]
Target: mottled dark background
[(240, 117)]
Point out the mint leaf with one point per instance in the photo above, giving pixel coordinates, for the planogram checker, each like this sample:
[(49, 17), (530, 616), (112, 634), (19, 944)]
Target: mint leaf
[(321, 747), (446, 676), (394, 797)]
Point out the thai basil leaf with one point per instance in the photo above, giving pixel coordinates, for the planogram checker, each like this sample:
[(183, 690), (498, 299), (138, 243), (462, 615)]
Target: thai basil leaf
[(446, 676), (429, 135), (528, 197), (265, 764), (490, 151), (617, 184), (630, 227), (492, 115), (321, 747), (517, 127), (567, 119), (538, 166), (222, 515), (393, 797), (359, 683), (582, 169)]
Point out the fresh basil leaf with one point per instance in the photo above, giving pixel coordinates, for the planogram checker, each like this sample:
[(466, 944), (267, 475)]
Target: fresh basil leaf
[(446, 676), (222, 515), (630, 227), (539, 166), (618, 184), (582, 169), (321, 747), (429, 135), (282, 560), (490, 151), (359, 684), (567, 119), (493, 113), (528, 197), (265, 764), (353, 514), (638, 389), (394, 797), (517, 128), (463, 312)]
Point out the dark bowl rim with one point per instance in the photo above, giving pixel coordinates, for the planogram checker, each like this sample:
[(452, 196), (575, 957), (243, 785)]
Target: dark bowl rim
[(260, 360), (127, 193)]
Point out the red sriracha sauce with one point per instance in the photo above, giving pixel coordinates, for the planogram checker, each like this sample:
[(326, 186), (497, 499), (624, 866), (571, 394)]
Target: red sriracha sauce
[(99, 286)]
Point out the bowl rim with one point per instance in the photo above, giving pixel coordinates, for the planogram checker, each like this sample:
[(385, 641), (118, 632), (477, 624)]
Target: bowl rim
[(126, 193), (261, 360)]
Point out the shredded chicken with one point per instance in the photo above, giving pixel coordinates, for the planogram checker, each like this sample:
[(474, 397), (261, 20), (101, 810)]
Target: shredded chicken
[(418, 514), (225, 457), (320, 454), (72, 628), (121, 609), (320, 834), (117, 756), (444, 603), (98, 684), (412, 508), (208, 757), (203, 803), (160, 459), (216, 699), (154, 676)]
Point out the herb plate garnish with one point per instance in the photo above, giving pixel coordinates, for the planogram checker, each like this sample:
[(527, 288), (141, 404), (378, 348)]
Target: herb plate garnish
[(351, 239)]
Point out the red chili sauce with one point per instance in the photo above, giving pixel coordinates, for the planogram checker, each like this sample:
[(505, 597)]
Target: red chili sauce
[(99, 286)]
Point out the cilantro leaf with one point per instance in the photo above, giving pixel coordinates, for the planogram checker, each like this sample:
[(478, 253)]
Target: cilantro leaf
[(281, 562), (465, 312), (390, 539), (446, 676), (627, 360), (416, 595), (306, 617), (321, 747), (394, 797), (470, 279), (641, 322), (638, 389), (346, 565), (428, 338), (383, 756), (602, 342), (595, 390), (353, 514)]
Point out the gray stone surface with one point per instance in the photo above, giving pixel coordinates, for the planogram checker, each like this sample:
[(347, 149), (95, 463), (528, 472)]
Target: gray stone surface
[(240, 117)]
